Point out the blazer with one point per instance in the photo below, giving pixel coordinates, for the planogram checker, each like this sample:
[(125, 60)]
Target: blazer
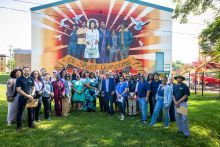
[(111, 85)]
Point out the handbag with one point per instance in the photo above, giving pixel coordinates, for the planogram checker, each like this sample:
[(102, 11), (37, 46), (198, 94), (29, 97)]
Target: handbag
[(92, 51)]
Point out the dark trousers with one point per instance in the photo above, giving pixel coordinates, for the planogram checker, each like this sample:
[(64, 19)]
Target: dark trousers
[(46, 103), (122, 105), (58, 106), (37, 110), (102, 103), (172, 112), (22, 101), (109, 103), (151, 105)]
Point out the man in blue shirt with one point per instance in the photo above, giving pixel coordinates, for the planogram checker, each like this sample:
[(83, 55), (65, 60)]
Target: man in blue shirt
[(25, 87), (155, 84), (143, 93), (180, 97)]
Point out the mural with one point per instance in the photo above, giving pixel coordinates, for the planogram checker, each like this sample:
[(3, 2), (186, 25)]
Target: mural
[(102, 33)]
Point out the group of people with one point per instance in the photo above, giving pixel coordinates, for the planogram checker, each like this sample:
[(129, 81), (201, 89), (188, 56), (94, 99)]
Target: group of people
[(99, 44), (126, 94)]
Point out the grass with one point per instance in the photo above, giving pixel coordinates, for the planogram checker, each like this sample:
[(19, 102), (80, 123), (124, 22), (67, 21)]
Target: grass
[(3, 78), (98, 129)]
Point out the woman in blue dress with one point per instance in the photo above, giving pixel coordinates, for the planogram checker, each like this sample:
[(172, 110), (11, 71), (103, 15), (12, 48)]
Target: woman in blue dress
[(90, 92)]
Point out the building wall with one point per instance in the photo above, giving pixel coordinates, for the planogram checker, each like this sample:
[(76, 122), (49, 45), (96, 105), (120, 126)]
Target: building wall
[(22, 60), (3, 62)]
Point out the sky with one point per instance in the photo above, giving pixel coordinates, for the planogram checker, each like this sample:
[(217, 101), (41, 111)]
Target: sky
[(15, 29)]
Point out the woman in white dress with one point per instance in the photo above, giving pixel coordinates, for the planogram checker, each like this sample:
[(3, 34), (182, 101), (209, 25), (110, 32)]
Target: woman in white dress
[(92, 40)]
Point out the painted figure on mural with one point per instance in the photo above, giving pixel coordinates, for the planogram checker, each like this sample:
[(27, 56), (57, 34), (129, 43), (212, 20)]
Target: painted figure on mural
[(104, 43), (72, 42), (81, 41), (92, 41), (114, 49)]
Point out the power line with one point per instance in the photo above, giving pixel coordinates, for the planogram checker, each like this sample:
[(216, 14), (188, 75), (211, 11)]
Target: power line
[(22, 1), (14, 9)]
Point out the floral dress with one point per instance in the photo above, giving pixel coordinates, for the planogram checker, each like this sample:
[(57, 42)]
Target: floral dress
[(90, 95)]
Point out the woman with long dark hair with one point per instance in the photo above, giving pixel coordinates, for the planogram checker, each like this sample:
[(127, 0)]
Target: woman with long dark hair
[(12, 96), (39, 87)]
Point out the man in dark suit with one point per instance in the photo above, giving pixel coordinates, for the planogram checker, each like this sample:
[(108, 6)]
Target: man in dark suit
[(108, 87)]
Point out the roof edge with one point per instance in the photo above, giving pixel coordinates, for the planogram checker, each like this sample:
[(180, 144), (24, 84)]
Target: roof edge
[(134, 1)]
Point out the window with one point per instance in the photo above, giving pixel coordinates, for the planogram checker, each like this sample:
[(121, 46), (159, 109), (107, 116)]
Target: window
[(159, 61)]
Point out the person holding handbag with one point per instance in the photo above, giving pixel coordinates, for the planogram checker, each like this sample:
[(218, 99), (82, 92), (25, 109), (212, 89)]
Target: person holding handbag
[(92, 40), (12, 96), (38, 92)]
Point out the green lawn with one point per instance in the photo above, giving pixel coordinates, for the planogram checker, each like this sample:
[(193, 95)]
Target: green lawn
[(98, 129), (3, 78)]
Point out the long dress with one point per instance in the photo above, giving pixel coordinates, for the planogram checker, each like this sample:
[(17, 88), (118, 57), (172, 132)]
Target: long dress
[(92, 50), (78, 85), (72, 44), (90, 96)]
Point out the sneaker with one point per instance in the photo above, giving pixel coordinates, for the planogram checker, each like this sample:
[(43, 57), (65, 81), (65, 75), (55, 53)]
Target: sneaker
[(122, 117), (49, 119), (9, 124), (166, 127), (144, 122)]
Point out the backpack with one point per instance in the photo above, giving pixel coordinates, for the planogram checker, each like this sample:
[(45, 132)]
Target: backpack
[(11, 90)]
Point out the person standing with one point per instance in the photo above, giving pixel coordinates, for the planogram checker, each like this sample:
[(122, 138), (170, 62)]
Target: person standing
[(92, 41), (172, 109), (81, 41), (59, 93), (38, 93), (164, 98), (143, 93), (154, 87), (132, 101), (90, 95), (73, 41), (12, 96), (26, 89), (108, 88), (104, 43), (122, 94), (78, 95), (150, 79), (46, 96), (181, 93)]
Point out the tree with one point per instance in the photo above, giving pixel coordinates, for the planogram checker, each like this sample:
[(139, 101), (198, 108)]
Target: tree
[(209, 39), (195, 7), (11, 63)]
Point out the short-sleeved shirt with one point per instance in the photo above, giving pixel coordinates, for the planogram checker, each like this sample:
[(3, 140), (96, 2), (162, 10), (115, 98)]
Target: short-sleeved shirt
[(142, 89), (26, 84), (120, 88), (154, 86), (180, 90)]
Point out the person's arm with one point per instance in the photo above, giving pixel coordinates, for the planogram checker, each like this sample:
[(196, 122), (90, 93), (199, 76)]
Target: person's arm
[(186, 94), (148, 92), (21, 92)]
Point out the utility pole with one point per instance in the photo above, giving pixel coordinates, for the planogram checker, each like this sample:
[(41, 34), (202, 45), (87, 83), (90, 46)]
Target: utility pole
[(10, 56)]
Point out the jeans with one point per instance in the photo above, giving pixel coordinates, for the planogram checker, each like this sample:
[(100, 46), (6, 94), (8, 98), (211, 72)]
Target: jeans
[(158, 107), (143, 108), (122, 106), (22, 101), (46, 103), (154, 101), (182, 121), (109, 103)]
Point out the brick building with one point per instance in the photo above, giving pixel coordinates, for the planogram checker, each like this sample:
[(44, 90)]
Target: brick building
[(22, 58)]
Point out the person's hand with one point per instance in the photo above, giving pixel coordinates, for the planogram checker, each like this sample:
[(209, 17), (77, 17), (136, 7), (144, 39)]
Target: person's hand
[(113, 93), (30, 97), (176, 103), (96, 42), (108, 47), (52, 94), (88, 42), (146, 99), (40, 92)]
